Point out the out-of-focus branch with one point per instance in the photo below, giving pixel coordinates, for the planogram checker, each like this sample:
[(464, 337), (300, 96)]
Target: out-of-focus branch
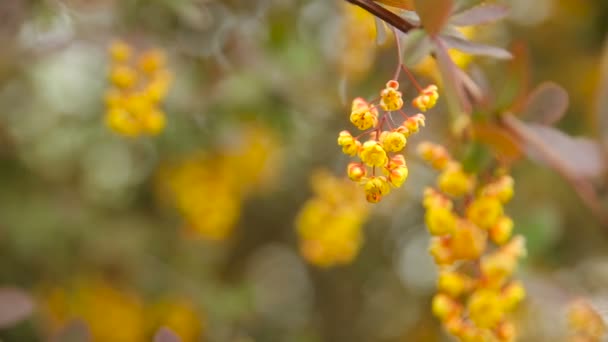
[(384, 14)]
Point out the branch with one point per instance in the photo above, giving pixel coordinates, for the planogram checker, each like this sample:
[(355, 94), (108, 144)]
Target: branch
[(384, 14)]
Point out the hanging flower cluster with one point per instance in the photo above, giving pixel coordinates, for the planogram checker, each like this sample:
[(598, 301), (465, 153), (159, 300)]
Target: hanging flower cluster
[(473, 246), (329, 225), (137, 90), (382, 167)]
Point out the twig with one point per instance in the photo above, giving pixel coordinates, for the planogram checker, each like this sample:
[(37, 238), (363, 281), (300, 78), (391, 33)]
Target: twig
[(384, 14)]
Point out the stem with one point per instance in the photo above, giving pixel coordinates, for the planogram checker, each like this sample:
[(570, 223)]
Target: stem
[(412, 78), (399, 56), (384, 14)]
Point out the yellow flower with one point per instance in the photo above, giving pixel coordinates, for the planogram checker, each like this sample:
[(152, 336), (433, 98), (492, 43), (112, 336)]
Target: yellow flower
[(501, 232), (122, 122), (362, 115), (390, 97), (485, 308), (375, 188), (444, 307), (394, 142), (469, 242), (440, 220), (441, 250), (123, 76), (414, 122), (453, 283), (356, 171), (350, 146), (455, 182), (502, 189), (513, 294), (120, 51), (373, 154), (151, 61), (398, 175), (485, 211), (436, 155), (427, 98)]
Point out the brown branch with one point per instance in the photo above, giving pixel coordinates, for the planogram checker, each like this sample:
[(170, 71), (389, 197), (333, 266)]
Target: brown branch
[(384, 14)]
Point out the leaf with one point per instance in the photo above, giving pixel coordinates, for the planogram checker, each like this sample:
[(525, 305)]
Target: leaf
[(571, 156), (434, 14), (514, 90), (454, 92), (479, 15), (416, 46), (15, 306), (411, 17), (546, 105), (380, 31), (165, 334), (478, 49), (502, 143), (403, 4)]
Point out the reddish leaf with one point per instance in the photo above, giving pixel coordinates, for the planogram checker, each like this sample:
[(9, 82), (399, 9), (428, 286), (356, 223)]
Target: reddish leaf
[(546, 105), (473, 48), (501, 142), (480, 15), (573, 157), (403, 4), (15, 306), (416, 45), (434, 14), (165, 334)]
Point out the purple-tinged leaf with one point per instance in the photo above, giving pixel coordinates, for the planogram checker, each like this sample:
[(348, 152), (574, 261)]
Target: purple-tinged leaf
[(380, 31), (15, 306), (546, 105), (573, 157), (416, 46), (476, 48), (457, 101), (74, 330), (434, 14), (479, 15), (165, 334)]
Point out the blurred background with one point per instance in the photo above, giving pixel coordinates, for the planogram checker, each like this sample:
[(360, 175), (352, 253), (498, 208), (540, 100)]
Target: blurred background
[(109, 237)]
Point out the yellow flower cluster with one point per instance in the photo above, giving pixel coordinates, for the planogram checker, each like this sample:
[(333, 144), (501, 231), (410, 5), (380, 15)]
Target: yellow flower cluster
[(208, 189), (329, 225), (476, 291), (137, 89), (385, 140), (112, 314), (585, 323)]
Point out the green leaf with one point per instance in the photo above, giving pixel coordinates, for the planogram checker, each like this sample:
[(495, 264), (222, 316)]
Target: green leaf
[(416, 46)]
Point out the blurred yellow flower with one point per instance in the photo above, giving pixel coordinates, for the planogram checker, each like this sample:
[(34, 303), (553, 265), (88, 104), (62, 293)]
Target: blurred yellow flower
[(208, 188)]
